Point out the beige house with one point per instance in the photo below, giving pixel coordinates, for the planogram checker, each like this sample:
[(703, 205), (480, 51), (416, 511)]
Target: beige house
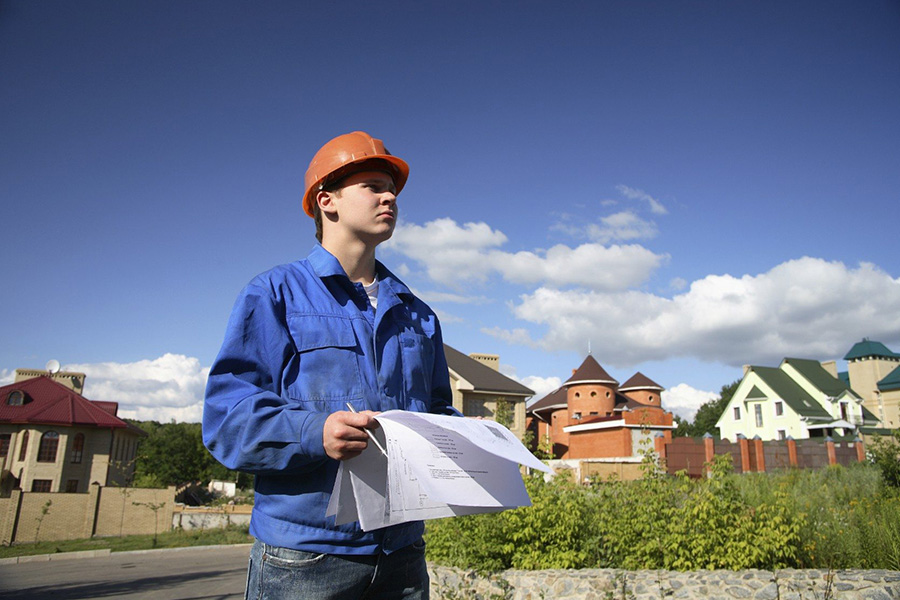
[(481, 390), (873, 372), (53, 439)]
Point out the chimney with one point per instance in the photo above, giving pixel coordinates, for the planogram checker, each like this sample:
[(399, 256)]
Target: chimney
[(489, 360)]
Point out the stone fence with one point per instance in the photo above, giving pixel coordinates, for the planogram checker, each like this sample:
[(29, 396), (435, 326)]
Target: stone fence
[(614, 584)]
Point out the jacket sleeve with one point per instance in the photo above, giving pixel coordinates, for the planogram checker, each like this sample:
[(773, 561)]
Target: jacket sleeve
[(247, 424), (441, 392)]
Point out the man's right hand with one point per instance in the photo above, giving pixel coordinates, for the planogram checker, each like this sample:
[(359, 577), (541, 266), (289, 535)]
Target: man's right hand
[(344, 435)]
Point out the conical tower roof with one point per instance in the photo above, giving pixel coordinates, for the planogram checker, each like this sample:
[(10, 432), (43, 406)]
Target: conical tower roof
[(590, 371), (639, 381)]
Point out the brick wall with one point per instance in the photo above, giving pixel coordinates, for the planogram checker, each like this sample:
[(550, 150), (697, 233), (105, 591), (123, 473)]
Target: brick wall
[(611, 442), (753, 456), (103, 511)]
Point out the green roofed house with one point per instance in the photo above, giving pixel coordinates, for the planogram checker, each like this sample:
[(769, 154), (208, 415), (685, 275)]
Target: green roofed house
[(800, 398)]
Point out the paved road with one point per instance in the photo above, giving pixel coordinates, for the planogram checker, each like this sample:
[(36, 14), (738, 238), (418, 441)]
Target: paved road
[(208, 573)]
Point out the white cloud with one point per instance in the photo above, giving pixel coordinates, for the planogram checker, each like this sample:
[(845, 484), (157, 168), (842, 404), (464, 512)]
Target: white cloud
[(683, 400), (677, 284), (518, 336), (162, 389), (656, 206), (456, 254), (433, 296), (621, 227), (541, 385), (803, 308)]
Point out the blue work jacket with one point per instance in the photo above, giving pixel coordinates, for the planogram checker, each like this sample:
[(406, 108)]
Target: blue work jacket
[(302, 342)]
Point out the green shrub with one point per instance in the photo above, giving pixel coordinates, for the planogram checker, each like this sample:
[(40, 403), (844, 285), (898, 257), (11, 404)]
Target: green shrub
[(830, 518)]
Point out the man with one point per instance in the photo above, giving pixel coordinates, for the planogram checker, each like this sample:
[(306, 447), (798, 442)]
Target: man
[(305, 340)]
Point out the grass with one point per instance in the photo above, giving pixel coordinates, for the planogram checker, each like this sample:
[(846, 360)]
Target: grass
[(170, 539)]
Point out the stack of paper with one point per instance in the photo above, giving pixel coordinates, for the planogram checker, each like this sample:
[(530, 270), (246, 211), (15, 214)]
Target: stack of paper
[(436, 466)]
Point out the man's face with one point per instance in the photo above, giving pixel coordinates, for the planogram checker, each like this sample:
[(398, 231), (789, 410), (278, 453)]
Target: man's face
[(366, 206)]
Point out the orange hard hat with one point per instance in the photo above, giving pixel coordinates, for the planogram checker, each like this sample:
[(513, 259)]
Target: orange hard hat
[(343, 156)]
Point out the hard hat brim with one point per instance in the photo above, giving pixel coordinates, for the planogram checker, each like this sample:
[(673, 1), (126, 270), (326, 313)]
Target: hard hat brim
[(397, 168)]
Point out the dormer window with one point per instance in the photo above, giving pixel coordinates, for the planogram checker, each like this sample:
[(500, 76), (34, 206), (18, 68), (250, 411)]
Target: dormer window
[(16, 398)]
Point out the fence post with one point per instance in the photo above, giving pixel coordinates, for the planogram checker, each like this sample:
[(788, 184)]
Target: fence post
[(760, 454), (829, 448), (709, 450), (659, 444), (14, 508), (792, 451), (860, 449), (89, 524), (744, 445)]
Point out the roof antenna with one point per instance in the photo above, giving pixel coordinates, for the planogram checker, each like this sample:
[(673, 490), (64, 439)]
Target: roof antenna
[(589, 347), (53, 366)]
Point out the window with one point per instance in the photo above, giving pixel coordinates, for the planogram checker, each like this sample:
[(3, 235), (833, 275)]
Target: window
[(576, 416), (737, 413), (47, 449), (779, 409), (41, 485), (77, 448), (845, 415), (757, 409), (782, 434), (16, 398), (4, 444), (72, 486), (23, 447)]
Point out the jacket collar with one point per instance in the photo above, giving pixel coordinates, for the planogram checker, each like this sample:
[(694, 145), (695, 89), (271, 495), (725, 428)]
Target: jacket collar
[(325, 264)]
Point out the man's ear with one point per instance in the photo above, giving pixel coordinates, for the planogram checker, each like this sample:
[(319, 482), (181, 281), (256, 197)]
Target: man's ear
[(325, 200)]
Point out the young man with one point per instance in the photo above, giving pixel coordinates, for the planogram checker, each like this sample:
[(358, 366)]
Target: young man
[(304, 340)]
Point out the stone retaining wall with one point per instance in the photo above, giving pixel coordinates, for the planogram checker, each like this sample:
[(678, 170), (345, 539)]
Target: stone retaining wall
[(614, 584)]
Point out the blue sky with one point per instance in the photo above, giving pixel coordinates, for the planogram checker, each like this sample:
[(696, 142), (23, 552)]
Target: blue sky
[(683, 187)]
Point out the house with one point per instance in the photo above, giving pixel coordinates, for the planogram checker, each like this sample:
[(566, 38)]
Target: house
[(873, 371), (53, 439), (799, 399), (591, 416), (481, 390)]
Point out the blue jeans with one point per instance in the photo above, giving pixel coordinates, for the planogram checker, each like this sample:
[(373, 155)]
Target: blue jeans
[(281, 573)]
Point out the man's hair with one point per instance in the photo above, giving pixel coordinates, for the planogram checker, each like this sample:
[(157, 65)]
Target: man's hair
[(334, 188)]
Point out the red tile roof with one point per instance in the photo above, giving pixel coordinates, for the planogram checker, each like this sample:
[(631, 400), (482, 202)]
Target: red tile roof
[(50, 403)]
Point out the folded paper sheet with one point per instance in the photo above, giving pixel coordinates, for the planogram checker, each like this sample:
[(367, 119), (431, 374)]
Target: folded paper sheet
[(436, 466)]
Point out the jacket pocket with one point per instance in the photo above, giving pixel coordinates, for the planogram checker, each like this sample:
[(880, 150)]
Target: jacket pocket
[(325, 371), (417, 360)]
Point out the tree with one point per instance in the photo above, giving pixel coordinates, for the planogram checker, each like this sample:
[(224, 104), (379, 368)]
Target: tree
[(173, 454), (708, 414), (503, 413), (884, 453)]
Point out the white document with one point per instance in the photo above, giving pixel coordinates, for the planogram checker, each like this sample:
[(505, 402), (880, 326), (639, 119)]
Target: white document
[(436, 466)]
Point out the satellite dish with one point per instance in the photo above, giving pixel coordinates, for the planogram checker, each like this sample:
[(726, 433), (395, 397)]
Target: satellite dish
[(53, 366)]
